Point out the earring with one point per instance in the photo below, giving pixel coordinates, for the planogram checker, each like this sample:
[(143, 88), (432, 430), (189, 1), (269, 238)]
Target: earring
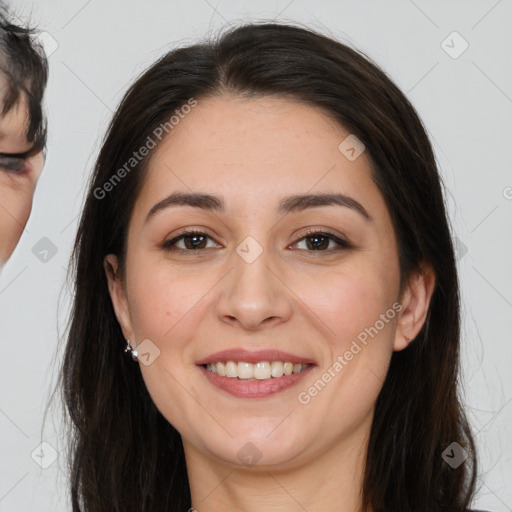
[(407, 339), (131, 350)]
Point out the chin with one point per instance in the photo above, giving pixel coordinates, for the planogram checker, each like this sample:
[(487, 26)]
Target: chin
[(264, 446)]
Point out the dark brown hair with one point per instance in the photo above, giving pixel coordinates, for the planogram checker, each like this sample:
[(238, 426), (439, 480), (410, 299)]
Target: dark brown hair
[(124, 455), (24, 64)]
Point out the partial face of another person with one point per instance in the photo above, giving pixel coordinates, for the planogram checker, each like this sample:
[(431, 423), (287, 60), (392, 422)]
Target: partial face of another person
[(255, 284), (20, 168)]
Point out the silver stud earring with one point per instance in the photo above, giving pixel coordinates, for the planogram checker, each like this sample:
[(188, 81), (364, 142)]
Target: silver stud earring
[(407, 339), (131, 350)]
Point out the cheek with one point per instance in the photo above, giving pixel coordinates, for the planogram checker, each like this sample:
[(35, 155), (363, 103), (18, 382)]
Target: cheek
[(363, 316), (164, 307), (357, 311), (16, 201), (164, 301), (16, 192), (350, 299)]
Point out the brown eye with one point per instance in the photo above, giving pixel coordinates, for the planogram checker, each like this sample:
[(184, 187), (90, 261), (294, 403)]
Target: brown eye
[(192, 240), (320, 241)]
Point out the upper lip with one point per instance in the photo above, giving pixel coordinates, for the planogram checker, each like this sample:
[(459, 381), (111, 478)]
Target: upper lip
[(254, 356)]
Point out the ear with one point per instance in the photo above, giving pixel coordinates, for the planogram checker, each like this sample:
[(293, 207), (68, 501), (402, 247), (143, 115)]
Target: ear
[(118, 296), (415, 303)]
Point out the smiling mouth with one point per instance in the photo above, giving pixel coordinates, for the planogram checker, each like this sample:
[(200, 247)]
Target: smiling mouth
[(263, 370)]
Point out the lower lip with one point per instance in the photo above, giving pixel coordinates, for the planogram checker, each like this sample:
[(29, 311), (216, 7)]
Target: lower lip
[(244, 388)]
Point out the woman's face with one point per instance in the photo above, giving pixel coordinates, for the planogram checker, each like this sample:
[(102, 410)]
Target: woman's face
[(20, 168), (256, 285)]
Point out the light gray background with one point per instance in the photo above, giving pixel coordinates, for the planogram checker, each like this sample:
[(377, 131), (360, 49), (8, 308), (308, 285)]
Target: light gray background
[(466, 104)]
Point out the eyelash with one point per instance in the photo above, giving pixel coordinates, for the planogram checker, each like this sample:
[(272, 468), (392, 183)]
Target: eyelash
[(13, 165), (342, 244)]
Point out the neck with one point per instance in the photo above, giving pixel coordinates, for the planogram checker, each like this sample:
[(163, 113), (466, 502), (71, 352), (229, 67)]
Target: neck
[(331, 482)]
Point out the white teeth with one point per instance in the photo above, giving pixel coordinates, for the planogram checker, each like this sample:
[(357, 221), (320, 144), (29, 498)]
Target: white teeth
[(221, 369), (231, 369), (245, 370), (276, 369), (261, 371), (297, 368)]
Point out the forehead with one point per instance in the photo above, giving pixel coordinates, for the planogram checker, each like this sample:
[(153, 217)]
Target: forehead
[(255, 151)]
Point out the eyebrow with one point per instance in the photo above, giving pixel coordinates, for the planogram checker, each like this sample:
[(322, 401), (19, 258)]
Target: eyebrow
[(293, 203)]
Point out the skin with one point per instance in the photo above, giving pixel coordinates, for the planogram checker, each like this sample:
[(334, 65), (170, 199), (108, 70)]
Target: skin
[(16, 188), (311, 303)]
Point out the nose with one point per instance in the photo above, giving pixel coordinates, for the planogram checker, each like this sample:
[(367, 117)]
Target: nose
[(253, 294)]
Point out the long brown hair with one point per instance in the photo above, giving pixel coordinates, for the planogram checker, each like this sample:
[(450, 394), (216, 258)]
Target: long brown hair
[(124, 455)]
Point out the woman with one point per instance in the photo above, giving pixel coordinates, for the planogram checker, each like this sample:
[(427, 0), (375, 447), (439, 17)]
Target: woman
[(23, 77), (265, 233)]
